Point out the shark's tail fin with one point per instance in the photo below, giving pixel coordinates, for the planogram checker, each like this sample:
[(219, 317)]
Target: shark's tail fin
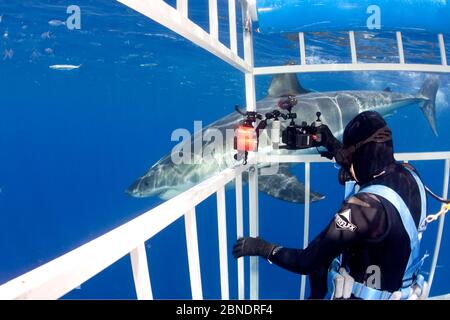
[(428, 91)]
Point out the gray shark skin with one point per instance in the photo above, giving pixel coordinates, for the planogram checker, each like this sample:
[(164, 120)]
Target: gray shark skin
[(166, 180)]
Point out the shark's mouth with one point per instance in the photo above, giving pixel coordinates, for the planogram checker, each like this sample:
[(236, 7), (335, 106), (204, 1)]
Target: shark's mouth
[(141, 189), (138, 189)]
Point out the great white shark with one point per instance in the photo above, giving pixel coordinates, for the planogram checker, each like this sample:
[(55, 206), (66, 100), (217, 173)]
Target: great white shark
[(166, 179)]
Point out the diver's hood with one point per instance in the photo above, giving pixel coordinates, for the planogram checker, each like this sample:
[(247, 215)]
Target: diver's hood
[(371, 159)]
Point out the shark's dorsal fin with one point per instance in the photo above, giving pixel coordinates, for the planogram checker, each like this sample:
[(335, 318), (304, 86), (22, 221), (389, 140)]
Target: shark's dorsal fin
[(285, 186), (286, 84), (387, 89)]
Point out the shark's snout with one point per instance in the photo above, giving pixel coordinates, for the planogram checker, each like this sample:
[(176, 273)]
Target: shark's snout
[(149, 185), (133, 189), (140, 188)]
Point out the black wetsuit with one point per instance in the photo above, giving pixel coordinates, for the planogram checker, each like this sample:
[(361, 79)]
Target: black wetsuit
[(377, 237)]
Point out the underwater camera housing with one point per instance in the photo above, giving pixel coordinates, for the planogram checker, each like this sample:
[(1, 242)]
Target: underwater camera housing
[(294, 137), (302, 136)]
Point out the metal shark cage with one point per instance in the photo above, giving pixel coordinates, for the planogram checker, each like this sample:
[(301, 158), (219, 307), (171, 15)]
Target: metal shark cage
[(58, 277)]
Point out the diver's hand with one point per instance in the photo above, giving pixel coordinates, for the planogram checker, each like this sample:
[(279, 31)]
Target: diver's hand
[(334, 146), (328, 140), (250, 246)]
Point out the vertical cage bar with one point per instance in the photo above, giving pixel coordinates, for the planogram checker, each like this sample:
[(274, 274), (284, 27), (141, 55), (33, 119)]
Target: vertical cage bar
[(351, 35), (301, 38), (442, 49), (213, 20), (190, 225), (232, 22), (254, 231), (250, 95), (182, 7), (306, 221), (437, 246), (223, 250), (141, 274), (401, 53), (240, 233)]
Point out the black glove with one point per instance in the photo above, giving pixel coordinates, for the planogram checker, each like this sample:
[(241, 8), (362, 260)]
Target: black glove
[(252, 247)]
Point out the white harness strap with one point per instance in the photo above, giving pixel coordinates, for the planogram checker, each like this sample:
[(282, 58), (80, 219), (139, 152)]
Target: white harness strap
[(411, 275)]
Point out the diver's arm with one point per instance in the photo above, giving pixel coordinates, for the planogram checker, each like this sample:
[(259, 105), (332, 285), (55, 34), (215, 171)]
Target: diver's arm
[(361, 217), (320, 252)]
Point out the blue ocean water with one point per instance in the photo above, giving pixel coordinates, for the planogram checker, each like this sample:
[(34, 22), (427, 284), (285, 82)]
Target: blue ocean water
[(72, 141)]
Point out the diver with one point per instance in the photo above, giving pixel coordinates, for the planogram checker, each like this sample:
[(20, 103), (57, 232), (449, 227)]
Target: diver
[(374, 229)]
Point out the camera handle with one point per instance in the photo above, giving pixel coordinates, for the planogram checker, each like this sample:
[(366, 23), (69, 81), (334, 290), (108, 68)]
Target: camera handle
[(318, 122)]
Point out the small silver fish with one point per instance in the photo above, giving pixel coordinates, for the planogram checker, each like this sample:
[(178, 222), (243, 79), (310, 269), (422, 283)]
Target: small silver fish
[(8, 54), (35, 55), (56, 23), (64, 67), (45, 35), (148, 65)]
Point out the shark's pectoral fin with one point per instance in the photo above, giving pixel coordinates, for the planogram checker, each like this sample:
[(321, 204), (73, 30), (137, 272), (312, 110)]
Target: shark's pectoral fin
[(285, 186)]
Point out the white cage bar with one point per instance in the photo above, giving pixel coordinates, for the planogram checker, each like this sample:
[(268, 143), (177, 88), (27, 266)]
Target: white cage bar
[(223, 249), (353, 47), (401, 53), (301, 38), (182, 6), (141, 274), (442, 50), (232, 23), (195, 275), (306, 221), (240, 233), (175, 20), (58, 277), (437, 247)]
